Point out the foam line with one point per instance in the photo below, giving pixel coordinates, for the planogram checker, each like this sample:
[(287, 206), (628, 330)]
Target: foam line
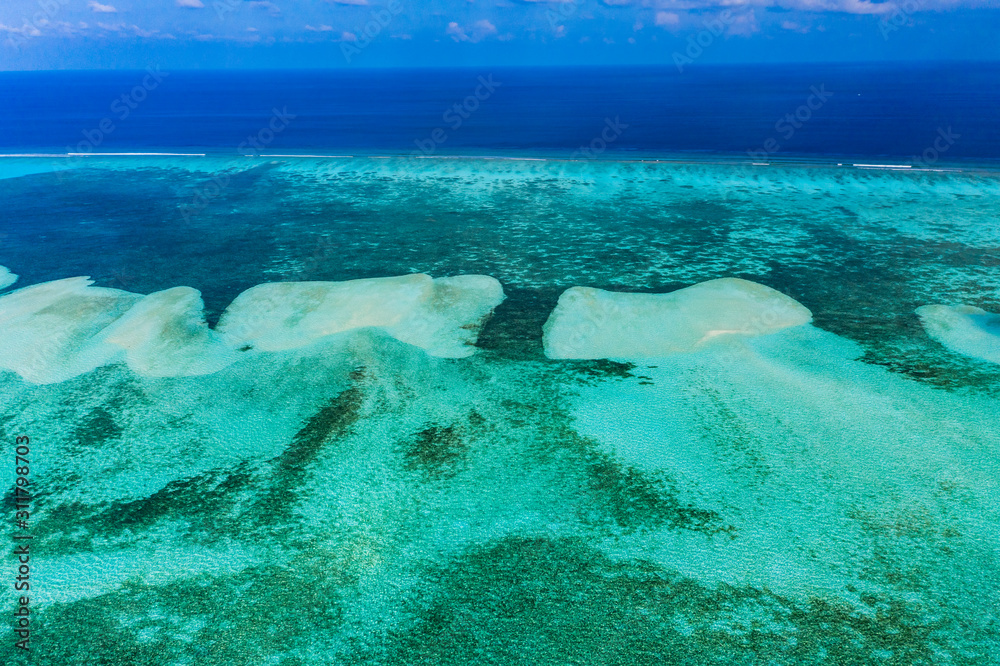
[(136, 154)]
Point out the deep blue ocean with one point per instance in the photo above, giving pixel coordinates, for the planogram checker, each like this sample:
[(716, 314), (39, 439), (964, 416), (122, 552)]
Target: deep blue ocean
[(779, 111)]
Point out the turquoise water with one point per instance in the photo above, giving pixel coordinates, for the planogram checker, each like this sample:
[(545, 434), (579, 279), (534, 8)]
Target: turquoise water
[(826, 493)]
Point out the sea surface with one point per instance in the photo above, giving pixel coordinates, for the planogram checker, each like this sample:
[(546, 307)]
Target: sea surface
[(826, 493), (893, 111)]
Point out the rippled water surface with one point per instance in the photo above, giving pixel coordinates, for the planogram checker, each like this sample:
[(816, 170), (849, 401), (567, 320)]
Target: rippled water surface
[(824, 494)]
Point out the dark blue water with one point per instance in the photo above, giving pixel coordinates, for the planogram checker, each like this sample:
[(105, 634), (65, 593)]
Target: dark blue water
[(885, 110)]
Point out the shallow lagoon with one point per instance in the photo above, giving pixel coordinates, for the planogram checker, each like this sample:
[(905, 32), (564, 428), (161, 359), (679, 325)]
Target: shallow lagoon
[(826, 493)]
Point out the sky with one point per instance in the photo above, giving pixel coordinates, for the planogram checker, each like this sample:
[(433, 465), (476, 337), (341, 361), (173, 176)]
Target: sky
[(221, 34)]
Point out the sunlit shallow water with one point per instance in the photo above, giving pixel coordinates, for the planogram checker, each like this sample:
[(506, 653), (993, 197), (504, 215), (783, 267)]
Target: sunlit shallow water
[(827, 493)]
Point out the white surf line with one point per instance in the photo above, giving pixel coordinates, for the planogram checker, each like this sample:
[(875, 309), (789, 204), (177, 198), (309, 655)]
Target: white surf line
[(498, 157), (882, 166), (135, 154), (35, 155)]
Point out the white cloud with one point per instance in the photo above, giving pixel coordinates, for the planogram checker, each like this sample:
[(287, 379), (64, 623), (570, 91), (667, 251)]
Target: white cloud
[(743, 25), (190, 4), (836, 6), (485, 27), (271, 8), (456, 32), (348, 2), (98, 8), (321, 28), (667, 19), (845, 6), (478, 31), (27, 30), (144, 33), (68, 29), (795, 27)]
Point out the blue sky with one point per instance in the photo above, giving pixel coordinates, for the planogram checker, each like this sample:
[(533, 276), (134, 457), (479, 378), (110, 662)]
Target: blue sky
[(133, 34)]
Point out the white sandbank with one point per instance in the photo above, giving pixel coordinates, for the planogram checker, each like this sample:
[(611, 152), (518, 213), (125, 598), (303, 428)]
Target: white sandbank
[(441, 316), (6, 278), (50, 332), (965, 329), (55, 331), (165, 335), (591, 323)]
